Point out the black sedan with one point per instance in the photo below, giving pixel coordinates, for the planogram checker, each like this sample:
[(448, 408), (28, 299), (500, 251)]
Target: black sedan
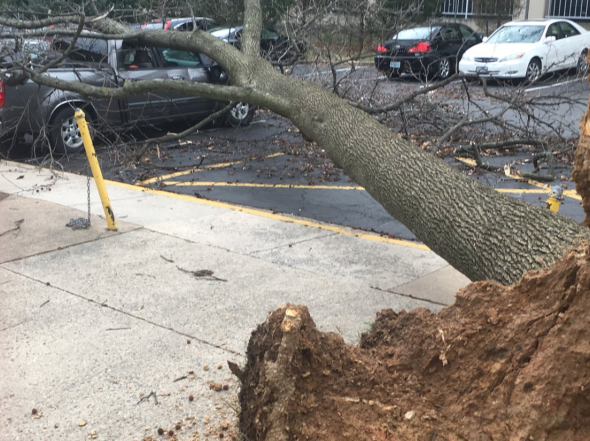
[(431, 51), (273, 46)]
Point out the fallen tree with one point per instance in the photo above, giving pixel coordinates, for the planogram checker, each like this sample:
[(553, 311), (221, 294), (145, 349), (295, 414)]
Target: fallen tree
[(483, 234)]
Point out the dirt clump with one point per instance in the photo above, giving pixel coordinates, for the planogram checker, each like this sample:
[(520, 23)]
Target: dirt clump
[(503, 363)]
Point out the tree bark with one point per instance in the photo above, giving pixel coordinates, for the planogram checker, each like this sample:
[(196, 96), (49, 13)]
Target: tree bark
[(581, 173), (479, 231)]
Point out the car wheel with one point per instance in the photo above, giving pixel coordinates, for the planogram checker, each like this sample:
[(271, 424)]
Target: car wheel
[(444, 69), (241, 114), (582, 67), (64, 134), (533, 71)]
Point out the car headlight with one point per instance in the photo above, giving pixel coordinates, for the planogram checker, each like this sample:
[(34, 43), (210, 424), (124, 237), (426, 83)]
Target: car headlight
[(467, 57), (511, 57)]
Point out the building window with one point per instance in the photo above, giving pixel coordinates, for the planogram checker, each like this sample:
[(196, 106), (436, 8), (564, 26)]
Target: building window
[(457, 8), (479, 8), (569, 8)]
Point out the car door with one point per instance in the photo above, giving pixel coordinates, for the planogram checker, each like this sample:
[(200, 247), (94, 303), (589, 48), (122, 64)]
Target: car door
[(189, 66), (572, 44), (137, 63), (469, 39), (450, 42), (92, 53), (553, 58)]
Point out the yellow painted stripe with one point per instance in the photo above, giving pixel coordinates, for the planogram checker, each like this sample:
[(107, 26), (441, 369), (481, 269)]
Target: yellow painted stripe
[(209, 167), (547, 187), (280, 217), (518, 190), (250, 184)]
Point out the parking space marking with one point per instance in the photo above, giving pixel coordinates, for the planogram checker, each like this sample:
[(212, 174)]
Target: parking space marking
[(269, 215), (551, 85), (209, 167), (314, 187), (546, 187), (251, 184)]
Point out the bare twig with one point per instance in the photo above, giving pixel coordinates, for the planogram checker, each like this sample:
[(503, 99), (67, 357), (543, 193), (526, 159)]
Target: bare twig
[(16, 228), (201, 274), (220, 113), (147, 397)]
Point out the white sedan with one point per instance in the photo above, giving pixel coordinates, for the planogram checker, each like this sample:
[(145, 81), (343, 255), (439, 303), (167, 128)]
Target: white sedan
[(528, 49)]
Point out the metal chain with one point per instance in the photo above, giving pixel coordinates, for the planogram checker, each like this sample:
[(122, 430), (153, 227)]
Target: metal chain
[(80, 223)]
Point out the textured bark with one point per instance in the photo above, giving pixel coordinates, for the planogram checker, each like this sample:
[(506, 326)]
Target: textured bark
[(252, 27), (581, 172), (479, 231)]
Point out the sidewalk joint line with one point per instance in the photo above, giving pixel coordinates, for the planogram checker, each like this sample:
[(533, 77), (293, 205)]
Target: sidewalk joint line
[(410, 296), (136, 317), (65, 247), (322, 236)]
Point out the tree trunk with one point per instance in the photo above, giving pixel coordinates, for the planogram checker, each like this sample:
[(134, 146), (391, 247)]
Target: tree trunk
[(581, 172)]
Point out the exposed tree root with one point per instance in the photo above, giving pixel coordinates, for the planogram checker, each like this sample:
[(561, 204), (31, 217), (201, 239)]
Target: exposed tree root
[(503, 363)]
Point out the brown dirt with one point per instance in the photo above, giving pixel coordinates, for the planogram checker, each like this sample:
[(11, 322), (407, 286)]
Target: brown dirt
[(503, 363)]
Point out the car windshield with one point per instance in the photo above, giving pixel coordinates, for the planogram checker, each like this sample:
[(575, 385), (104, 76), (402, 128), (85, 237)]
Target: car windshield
[(517, 34), (414, 34)]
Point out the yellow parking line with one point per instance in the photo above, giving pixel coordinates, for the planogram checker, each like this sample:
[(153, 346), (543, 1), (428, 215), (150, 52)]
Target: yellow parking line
[(209, 167), (518, 190), (280, 217), (250, 184), (569, 193)]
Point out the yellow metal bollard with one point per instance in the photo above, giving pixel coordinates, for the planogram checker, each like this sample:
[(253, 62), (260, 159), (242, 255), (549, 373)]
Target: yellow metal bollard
[(555, 198), (95, 167)]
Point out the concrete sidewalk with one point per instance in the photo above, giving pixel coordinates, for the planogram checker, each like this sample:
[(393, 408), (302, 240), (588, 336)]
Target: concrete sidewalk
[(108, 334)]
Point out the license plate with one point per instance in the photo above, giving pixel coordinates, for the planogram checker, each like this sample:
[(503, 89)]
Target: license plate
[(394, 64), (483, 70)]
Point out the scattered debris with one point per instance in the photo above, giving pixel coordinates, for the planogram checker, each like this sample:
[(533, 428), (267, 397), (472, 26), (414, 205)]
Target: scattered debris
[(146, 398), (204, 274), (16, 228)]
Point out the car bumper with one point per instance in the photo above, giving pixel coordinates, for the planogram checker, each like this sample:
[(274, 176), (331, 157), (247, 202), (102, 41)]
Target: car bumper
[(506, 69), (406, 64)]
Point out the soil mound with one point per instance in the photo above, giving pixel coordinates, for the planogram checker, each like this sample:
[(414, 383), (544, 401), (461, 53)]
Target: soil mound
[(503, 363)]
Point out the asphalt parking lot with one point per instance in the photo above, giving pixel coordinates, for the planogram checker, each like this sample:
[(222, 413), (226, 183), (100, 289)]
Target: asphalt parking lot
[(268, 166)]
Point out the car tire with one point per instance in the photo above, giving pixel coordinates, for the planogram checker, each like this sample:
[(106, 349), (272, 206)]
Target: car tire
[(444, 68), (64, 134), (240, 115), (533, 71), (582, 66)]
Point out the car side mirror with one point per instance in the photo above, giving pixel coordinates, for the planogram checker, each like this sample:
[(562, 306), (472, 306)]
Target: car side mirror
[(549, 39), (484, 39)]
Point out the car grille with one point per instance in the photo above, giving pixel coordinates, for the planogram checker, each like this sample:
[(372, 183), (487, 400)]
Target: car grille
[(485, 59)]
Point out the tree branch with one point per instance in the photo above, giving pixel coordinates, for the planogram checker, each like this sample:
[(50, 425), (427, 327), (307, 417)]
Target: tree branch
[(396, 105), (252, 28)]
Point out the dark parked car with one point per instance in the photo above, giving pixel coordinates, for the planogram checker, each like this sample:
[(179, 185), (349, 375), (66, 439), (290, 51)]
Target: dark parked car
[(26, 108), (432, 50), (182, 24), (273, 46)]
